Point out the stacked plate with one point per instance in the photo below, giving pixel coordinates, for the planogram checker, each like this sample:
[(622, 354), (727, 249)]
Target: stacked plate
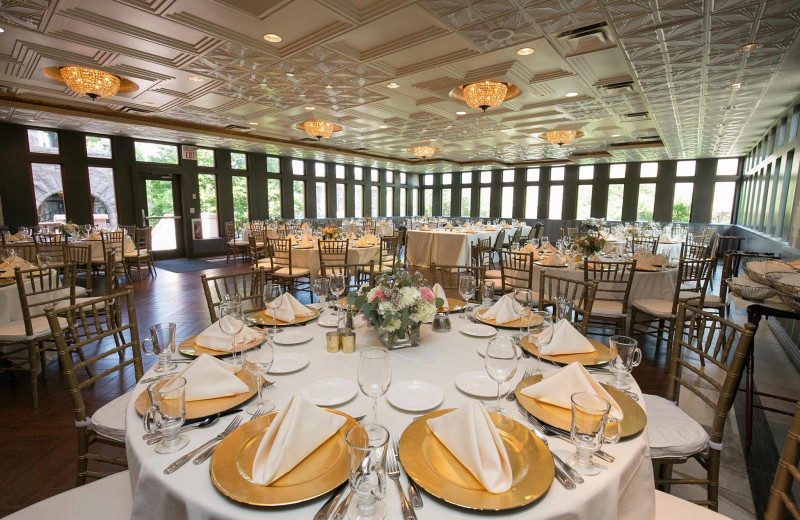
[(788, 287)]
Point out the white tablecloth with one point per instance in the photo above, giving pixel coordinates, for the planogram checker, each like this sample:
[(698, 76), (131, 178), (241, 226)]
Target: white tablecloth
[(10, 309), (309, 258), (623, 490), (443, 247), (97, 248)]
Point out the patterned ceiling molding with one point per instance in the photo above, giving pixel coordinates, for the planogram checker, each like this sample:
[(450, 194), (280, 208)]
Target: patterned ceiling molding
[(220, 32), (435, 62), (112, 47), (136, 72), (150, 6), (366, 13), (438, 84), (422, 36), (550, 76), (29, 14), (317, 37)]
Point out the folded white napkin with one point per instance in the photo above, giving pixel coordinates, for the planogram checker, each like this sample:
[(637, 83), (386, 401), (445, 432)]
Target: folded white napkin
[(643, 262), (214, 339), (469, 230), (469, 434), (449, 226), (9, 265), (518, 224), (425, 228), (288, 309), (93, 236), (658, 260), (506, 309), (665, 239), (361, 242), (372, 239), (307, 244), (307, 237), (567, 340), (297, 430), (555, 259), (528, 248), (763, 267), (557, 387), (21, 236), (505, 226), (9, 237), (208, 378), (438, 292), (548, 248)]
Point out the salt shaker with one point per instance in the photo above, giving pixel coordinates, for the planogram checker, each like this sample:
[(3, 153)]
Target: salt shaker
[(441, 322)]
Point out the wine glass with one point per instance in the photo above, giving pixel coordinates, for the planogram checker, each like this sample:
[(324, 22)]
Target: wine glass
[(590, 419), (525, 298), (258, 361), (336, 280), (231, 322), (88, 229), (321, 288), (374, 375), (535, 242), (545, 241), (272, 300), (162, 341), (501, 364), (564, 307), (466, 288), (540, 332)]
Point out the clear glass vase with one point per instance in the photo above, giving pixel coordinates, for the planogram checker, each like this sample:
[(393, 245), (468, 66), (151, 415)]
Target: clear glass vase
[(410, 337)]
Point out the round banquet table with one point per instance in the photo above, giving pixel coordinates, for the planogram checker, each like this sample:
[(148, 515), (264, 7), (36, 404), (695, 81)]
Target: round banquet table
[(623, 490), (309, 258)]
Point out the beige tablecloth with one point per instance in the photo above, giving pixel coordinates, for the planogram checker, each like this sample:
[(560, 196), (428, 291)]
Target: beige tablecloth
[(309, 258), (443, 247), (97, 248)]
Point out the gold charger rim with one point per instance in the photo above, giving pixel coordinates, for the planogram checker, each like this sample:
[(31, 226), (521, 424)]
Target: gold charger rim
[(633, 421), (454, 305), (260, 318), (227, 479), (600, 356), (534, 484), (188, 347), (508, 325), (540, 264)]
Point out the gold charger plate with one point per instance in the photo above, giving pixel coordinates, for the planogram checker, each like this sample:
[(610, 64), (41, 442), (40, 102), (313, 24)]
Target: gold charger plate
[(540, 264), (431, 465), (633, 417), (188, 347), (515, 324), (455, 305), (648, 270), (195, 409), (7, 281), (261, 318), (601, 354), (323, 470)]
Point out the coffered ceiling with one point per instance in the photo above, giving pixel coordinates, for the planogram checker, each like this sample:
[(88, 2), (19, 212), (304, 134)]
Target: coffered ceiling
[(651, 78)]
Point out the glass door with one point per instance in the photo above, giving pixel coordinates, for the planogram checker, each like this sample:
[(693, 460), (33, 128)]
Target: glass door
[(162, 212)]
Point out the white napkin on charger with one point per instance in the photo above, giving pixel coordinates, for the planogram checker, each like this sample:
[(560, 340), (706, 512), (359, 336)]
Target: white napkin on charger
[(306, 244), (557, 387), (469, 230), (438, 292), (506, 309), (9, 237), (372, 239), (469, 434), (505, 226), (208, 378), (549, 248), (425, 228), (93, 236), (361, 242), (8, 267), (288, 309), (643, 262), (213, 338), (449, 226), (297, 430), (554, 259), (490, 228), (21, 236), (567, 340), (658, 260), (665, 239), (307, 237)]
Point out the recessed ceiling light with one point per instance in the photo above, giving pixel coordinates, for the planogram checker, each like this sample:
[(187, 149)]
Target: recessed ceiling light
[(461, 113), (290, 74), (570, 94), (148, 103), (309, 107), (383, 126), (729, 107), (328, 86), (2, 30), (615, 135), (393, 85), (272, 38), (253, 123), (749, 47), (735, 86), (33, 120), (195, 78), (524, 51)]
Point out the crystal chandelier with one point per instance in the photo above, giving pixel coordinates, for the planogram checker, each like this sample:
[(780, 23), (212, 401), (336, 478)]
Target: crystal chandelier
[(90, 82), (485, 94), (423, 152), (318, 128), (561, 137)]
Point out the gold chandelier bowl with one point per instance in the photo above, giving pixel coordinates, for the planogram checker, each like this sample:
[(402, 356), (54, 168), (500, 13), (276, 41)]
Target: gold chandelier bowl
[(424, 152), (486, 94), (560, 137), (318, 128), (90, 82)]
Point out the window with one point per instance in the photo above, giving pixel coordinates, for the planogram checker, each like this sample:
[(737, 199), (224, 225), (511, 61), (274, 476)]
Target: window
[(403, 178), (486, 178), (648, 170), (321, 201), (427, 203), (485, 202), (415, 201), (389, 176), (358, 173), (646, 201), (319, 169), (205, 157), (466, 178), (273, 197), (616, 192), (532, 201), (374, 175), (104, 199), (533, 174), (359, 200), (375, 205), (299, 196), (447, 179), (427, 180), (340, 200), (682, 203), (723, 202), (238, 160), (207, 191), (42, 141), (49, 191), (403, 200), (273, 165), (156, 153), (584, 209), (556, 198), (389, 202), (98, 147), (585, 173), (508, 175), (339, 169), (617, 171), (241, 210), (686, 169), (507, 205), (446, 198), (557, 174), (297, 168), (727, 166), (466, 201)]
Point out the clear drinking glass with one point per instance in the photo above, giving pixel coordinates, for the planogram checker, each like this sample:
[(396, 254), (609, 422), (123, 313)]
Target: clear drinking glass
[(366, 450), (590, 420), (162, 344), (337, 289), (525, 298), (258, 360), (487, 293), (167, 413), (322, 287), (374, 375), (540, 332), (231, 322), (272, 300), (466, 288), (501, 365), (564, 308), (624, 356)]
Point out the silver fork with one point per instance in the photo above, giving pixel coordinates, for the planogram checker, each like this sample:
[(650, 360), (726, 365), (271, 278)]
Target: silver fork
[(393, 471), (413, 492), (210, 451), (186, 458)]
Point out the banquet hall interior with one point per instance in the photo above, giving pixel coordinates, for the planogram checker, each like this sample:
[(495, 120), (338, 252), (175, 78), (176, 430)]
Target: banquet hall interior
[(308, 234)]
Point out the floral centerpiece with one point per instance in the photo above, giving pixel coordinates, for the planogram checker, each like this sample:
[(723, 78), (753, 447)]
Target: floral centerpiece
[(331, 233), (69, 228), (589, 245), (634, 231), (395, 306)]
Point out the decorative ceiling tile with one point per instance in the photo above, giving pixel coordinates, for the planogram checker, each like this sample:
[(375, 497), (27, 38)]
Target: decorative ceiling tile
[(25, 13)]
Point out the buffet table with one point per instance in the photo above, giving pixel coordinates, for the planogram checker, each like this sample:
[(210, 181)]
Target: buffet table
[(623, 489)]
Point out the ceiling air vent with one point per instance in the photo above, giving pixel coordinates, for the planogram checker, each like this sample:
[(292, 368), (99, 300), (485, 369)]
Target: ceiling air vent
[(617, 87), (589, 38), (590, 155), (239, 128), (635, 116), (136, 110), (593, 30)]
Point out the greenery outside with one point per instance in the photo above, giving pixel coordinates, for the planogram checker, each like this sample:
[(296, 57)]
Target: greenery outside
[(646, 201), (446, 202), (584, 209), (273, 198), (156, 153), (682, 203), (615, 198), (299, 193), (273, 165), (205, 157), (241, 213), (99, 147), (466, 200), (159, 198), (238, 161)]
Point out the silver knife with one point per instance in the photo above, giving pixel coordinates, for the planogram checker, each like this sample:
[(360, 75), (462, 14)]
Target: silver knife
[(341, 510), (328, 506), (564, 436)]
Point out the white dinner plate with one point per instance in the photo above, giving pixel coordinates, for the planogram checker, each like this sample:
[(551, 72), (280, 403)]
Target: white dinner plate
[(328, 320), (478, 330), (330, 391), (479, 384), (415, 396), (292, 337), (286, 362)]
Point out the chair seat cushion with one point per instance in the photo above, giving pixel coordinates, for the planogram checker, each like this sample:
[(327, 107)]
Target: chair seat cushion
[(296, 271), (670, 507), (139, 253), (713, 300), (265, 263), (607, 309), (80, 291), (689, 295), (660, 308), (101, 307), (15, 330), (109, 419), (493, 273), (672, 432), (238, 242)]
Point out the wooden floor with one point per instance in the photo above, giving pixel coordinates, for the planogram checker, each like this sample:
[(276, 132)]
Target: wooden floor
[(38, 446)]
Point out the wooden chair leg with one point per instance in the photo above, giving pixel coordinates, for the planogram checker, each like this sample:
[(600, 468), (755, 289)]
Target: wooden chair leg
[(32, 372)]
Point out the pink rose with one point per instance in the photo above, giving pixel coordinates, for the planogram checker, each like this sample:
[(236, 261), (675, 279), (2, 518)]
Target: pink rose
[(426, 294), (378, 295)]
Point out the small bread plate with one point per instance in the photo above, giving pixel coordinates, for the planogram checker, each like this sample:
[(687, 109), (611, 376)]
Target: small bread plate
[(292, 337), (331, 391), (287, 362), (479, 384), (478, 330), (414, 396)]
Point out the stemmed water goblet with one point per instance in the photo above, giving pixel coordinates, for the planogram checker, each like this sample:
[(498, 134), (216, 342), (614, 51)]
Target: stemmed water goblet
[(374, 375), (466, 288), (162, 344), (540, 332), (337, 286), (322, 287), (501, 364), (231, 322), (167, 413), (272, 300), (524, 297), (258, 360), (590, 421), (624, 355), (366, 449)]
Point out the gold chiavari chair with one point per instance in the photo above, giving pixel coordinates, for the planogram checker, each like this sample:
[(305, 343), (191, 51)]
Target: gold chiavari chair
[(142, 252), (675, 436), (448, 276), (481, 251), (649, 244), (333, 252), (614, 281), (234, 246), (259, 250), (25, 251), (355, 275), (115, 241), (580, 293), (516, 272), (81, 255), (53, 250), (387, 257), (79, 326), (248, 286), (282, 232), (694, 251), (128, 230), (781, 500), (288, 275)]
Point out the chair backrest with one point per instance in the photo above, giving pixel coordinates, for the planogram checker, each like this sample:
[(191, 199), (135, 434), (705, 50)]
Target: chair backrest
[(25, 251), (281, 250), (333, 252), (723, 346), (142, 239), (112, 241), (355, 275), (614, 279), (498, 242), (448, 276), (480, 249), (780, 496), (81, 254), (129, 230), (248, 286), (55, 250), (581, 293), (388, 253), (693, 279), (650, 244), (86, 324), (694, 251), (282, 232), (42, 287), (258, 246), (514, 239), (230, 231), (538, 230), (516, 270), (48, 238)]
